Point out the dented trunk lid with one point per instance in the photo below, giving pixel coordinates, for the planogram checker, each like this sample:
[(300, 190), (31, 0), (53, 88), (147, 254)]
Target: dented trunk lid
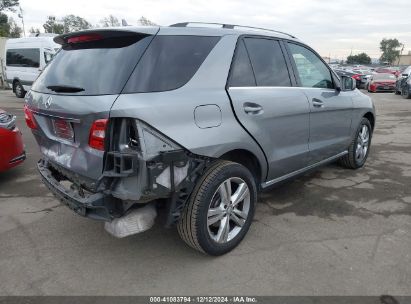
[(77, 113)]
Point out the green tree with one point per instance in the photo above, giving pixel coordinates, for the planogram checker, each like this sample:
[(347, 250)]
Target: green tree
[(53, 26), (361, 58), (109, 21), (390, 49), (4, 25), (74, 23), (34, 31), (8, 27), (8, 5), (145, 22), (15, 30)]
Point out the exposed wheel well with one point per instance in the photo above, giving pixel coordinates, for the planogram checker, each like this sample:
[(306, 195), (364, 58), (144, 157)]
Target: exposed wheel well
[(247, 159), (371, 119)]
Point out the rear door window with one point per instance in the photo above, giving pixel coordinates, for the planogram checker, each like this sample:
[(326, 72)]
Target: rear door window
[(23, 58), (311, 69), (99, 67), (169, 63), (268, 62), (241, 72)]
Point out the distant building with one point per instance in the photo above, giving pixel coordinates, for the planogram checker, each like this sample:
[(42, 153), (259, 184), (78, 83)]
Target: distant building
[(405, 59)]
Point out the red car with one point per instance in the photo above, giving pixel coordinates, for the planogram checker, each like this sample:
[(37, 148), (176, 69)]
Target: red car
[(382, 82), (11, 143), (389, 70)]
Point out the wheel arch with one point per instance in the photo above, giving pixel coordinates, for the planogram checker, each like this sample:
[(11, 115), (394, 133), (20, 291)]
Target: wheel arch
[(248, 160), (371, 118)]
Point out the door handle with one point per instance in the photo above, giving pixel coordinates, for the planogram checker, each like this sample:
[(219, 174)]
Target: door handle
[(318, 103), (252, 108)]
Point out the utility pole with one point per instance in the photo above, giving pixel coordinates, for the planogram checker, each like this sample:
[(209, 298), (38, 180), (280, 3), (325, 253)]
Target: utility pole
[(20, 15)]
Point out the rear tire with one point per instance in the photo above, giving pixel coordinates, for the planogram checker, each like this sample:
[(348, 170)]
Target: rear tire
[(405, 93), (359, 148), (213, 220), (19, 90)]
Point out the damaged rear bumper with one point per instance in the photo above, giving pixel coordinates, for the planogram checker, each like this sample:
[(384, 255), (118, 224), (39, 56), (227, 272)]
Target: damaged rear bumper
[(98, 206), (170, 175), (140, 166)]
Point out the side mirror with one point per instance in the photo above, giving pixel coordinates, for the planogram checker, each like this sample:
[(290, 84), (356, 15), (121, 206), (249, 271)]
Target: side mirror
[(348, 83)]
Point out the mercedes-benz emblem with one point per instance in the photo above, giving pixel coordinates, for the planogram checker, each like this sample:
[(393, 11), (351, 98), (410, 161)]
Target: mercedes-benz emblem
[(48, 101)]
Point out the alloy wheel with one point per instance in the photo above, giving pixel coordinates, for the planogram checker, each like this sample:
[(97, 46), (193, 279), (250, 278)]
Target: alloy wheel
[(18, 90), (228, 210), (363, 141)]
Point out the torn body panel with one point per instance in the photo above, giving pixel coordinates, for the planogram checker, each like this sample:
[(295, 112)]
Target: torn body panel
[(140, 166)]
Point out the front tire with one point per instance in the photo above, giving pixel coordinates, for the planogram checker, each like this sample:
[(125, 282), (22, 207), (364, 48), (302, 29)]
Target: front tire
[(220, 210), (360, 146), (19, 90)]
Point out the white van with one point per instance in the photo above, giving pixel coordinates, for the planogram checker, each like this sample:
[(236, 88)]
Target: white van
[(26, 58)]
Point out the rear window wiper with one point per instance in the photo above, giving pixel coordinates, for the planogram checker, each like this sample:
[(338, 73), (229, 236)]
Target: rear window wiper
[(64, 89)]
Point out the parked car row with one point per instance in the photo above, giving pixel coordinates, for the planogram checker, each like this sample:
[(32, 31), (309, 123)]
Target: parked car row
[(382, 79)]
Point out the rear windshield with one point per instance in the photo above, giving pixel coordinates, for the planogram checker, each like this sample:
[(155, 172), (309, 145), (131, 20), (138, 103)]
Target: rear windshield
[(169, 63), (103, 68), (97, 68)]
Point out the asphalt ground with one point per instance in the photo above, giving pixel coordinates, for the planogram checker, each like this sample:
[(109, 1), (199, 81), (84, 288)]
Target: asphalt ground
[(331, 232)]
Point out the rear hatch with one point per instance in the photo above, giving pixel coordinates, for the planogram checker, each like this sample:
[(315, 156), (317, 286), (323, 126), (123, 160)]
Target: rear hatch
[(76, 91)]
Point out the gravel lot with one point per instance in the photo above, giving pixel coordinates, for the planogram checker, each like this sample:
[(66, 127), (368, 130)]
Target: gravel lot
[(332, 232)]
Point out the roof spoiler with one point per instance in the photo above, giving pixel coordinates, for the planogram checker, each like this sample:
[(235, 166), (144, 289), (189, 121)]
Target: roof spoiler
[(96, 34)]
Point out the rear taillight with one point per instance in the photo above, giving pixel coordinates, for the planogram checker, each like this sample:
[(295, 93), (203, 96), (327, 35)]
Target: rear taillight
[(30, 120), (98, 134), (356, 77), (84, 38)]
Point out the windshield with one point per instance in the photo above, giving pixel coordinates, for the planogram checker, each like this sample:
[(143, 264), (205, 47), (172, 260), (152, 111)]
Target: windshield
[(93, 68), (384, 77)]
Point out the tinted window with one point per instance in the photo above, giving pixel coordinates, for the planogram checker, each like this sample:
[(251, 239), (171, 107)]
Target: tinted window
[(268, 62), (242, 72), (312, 71), (169, 63), (47, 57), (23, 57), (100, 67)]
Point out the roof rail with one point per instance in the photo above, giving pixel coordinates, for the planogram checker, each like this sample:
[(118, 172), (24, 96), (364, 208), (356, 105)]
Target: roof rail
[(229, 26)]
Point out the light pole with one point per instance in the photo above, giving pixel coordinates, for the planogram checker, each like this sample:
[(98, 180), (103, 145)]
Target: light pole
[(20, 15)]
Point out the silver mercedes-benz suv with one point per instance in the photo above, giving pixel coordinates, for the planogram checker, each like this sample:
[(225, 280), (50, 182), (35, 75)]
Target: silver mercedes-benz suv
[(192, 117)]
